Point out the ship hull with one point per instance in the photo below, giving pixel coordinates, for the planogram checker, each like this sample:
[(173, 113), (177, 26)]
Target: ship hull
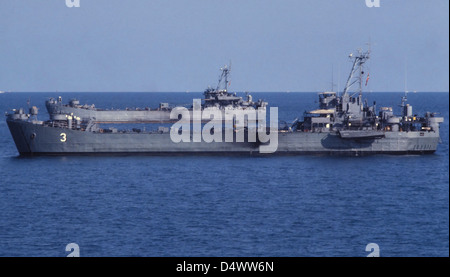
[(33, 139), (396, 143), (38, 139)]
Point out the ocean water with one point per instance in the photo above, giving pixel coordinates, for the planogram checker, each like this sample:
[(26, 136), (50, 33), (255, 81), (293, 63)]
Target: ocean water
[(224, 206)]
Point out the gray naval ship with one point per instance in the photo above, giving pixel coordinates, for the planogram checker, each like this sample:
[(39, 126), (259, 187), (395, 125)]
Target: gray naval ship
[(342, 125), (218, 97)]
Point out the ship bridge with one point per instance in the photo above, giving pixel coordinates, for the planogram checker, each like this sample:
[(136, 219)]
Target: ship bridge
[(327, 99), (320, 120)]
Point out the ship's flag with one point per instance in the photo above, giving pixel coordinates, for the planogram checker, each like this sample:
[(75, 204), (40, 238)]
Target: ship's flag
[(367, 80)]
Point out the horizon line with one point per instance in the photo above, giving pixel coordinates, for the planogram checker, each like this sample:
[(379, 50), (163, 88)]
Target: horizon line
[(187, 92)]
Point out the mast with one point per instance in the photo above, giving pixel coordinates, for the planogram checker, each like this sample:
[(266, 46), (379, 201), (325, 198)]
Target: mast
[(332, 78), (358, 61), (339, 79), (361, 73), (405, 97), (224, 78), (406, 76), (225, 71)]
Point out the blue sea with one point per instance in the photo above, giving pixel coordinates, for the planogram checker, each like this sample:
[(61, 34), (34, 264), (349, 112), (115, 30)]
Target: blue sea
[(296, 206)]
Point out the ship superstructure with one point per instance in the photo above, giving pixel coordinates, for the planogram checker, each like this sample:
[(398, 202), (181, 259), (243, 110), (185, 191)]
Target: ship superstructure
[(218, 98)]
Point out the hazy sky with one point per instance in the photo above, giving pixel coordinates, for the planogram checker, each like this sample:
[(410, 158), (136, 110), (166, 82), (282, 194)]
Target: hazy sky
[(179, 45)]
